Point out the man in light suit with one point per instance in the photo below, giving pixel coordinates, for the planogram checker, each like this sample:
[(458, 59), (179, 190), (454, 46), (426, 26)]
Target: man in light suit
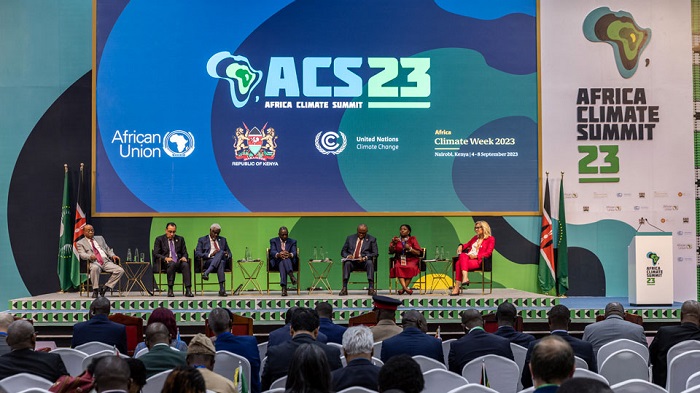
[(283, 257), (413, 340), (214, 251), (612, 328), (99, 257), (358, 253), (176, 257), (477, 342)]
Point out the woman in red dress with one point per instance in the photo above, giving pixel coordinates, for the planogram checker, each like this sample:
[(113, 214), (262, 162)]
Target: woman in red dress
[(404, 263), (472, 253)]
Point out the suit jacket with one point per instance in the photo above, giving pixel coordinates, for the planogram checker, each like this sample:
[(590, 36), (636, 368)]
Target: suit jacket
[(84, 247), (474, 344), (369, 247), (100, 328), (332, 331), (161, 247), (412, 341), (43, 364), (162, 357), (204, 248), (666, 337), (612, 328), (280, 356), (283, 334), (385, 329), (246, 346), (581, 348), (359, 372), (4, 348), (276, 246), (514, 336)]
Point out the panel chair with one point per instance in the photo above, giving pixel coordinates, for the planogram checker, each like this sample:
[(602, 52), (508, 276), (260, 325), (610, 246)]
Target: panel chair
[(486, 267), (439, 380), (276, 271), (681, 368), (160, 268), (637, 386), (72, 359), (504, 372), (134, 330), (623, 343), (363, 280), (422, 275), (87, 286), (23, 381), (199, 283)]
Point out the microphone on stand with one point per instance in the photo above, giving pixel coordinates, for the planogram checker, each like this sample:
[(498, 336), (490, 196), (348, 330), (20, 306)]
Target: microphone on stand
[(641, 222), (654, 226)]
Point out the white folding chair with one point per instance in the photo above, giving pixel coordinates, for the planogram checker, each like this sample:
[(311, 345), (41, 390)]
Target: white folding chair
[(580, 363), (681, 368), (427, 364), (94, 347), (226, 363), (623, 343), (141, 353), (694, 389), (278, 390), (73, 359), (683, 346), (623, 365), (637, 386), (35, 390), (528, 390), (473, 388), (356, 389), (280, 382), (438, 380), (519, 353), (155, 383), (377, 362), (24, 381), (377, 350), (693, 380), (340, 347), (584, 373), (503, 372), (262, 365), (110, 352), (446, 348), (262, 349)]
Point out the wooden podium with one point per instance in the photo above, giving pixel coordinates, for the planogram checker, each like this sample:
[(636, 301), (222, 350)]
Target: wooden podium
[(650, 269)]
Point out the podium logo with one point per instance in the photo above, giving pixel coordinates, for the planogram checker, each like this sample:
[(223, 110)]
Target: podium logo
[(654, 258)]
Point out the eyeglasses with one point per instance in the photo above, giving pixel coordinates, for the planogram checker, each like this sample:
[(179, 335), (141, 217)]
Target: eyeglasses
[(475, 228)]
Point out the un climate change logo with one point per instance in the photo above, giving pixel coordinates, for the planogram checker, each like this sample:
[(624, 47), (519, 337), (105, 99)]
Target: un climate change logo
[(331, 142), (241, 76), (178, 143)]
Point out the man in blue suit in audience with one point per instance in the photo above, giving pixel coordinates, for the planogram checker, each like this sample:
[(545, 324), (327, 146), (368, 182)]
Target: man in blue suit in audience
[(100, 328), (358, 343), (475, 343), (505, 315), (559, 319), (552, 363), (283, 334), (413, 340), (214, 251), (332, 331), (220, 322)]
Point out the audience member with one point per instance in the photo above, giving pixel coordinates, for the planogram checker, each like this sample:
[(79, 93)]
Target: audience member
[(304, 329), (357, 348), (160, 356), (401, 374), (559, 319), (138, 374), (100, 258), (201, 354), (23, 359), (551, 363), (332, 331), (386, 326), (413, 340), (505, 316), (358, 253), (112, 374), (584, 385), (309, 371), (184, 379), (613, 327), (220, 322), (475, 343), (283, 334), (284, 257), (5, 320), (167, 318), (99, 327), (668, 336), (171, 249)]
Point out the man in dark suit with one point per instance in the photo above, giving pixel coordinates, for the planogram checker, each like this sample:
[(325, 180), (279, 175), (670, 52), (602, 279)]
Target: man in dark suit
[(100, 328), (358, 253), (332, 331), (220, 322), (160, 356), (613, 327), (413, 340), (214, 251), (552, 363), (475, 343), (23, 359), (505, 315), (5, 320), (283, 257), (304, 330), (559, 319), (283, 334), (100, 258), (668, 336), (357, 347), (171, 249)]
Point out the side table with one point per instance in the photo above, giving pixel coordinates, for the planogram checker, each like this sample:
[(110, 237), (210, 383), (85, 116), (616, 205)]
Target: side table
[(320, 270), (250, 269), (134, 272), (439, 270)]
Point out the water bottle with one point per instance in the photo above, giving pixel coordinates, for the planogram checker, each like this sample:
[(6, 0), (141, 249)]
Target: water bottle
[(315, 256), (136, 254), (321, 254), (437, 252), (128, 254), (442, 252), (247, 254)]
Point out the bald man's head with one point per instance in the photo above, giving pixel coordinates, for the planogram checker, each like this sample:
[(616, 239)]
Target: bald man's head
[(472, 318)]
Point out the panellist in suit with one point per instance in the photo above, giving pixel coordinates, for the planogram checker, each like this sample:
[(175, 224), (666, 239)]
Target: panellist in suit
[(172, 249), (413, 340), (505, 316), (613, 327), (475, 343), (100, 258), (23, 359), (668, 336), (100, 328), (283, 257), (358, 252), (214, 251)]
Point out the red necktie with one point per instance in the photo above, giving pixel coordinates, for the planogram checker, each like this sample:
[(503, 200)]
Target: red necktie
[(96, 252), (358, 247), (283, 249), (216, 244)]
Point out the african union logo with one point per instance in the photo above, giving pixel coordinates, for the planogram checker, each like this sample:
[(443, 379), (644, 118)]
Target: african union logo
[(241, 76), (331, 142), (654, 258), (178, 143), (255, 143), (620, 31)]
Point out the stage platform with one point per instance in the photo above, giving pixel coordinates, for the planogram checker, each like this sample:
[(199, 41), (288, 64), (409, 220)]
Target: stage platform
[(66, 309)]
